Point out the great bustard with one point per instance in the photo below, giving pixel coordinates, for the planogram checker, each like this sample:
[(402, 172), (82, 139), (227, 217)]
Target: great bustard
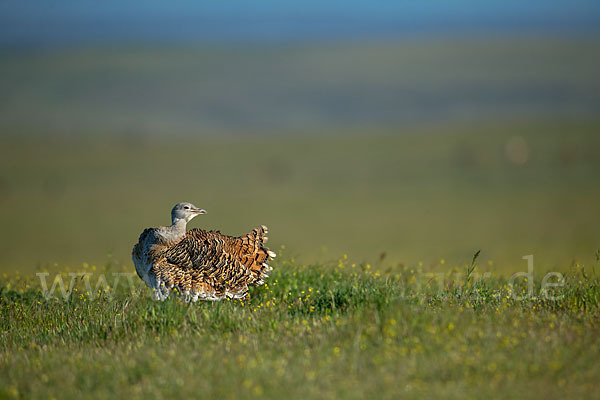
[(200, 265)]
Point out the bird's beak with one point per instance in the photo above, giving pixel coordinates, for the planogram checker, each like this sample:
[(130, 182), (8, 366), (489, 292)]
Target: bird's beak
[(199, 211)]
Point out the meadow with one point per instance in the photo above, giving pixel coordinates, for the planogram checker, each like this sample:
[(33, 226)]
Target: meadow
[(379, 175), (313, 331)]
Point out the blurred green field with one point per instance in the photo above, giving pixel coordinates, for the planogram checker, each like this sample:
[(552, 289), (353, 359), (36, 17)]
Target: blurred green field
[(416, 193), (294, 88), (370, 147)]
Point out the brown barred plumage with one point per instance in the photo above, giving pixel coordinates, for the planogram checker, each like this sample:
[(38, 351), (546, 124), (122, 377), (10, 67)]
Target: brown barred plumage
[(198, 264)]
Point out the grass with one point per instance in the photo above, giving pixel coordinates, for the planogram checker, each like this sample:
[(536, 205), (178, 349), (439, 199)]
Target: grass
[(314, 331)]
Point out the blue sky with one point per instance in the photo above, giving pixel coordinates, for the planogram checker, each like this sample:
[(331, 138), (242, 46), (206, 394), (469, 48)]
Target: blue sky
[(88, 20)]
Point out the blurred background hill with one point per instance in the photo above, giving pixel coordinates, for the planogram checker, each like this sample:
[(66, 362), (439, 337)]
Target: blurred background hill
[(422, 130)]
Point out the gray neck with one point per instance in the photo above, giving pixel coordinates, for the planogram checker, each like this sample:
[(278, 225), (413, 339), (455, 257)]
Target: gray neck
[(176, 230)]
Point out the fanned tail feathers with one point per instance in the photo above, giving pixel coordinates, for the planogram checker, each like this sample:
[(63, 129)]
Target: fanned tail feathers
[(255, 255), (210, 265)]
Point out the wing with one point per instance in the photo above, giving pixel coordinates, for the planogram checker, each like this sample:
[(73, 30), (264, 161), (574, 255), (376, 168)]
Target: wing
[(215, 264), (138, 253)]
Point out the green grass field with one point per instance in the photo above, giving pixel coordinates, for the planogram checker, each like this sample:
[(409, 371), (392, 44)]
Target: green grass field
[(380, 168), (317, 331), (415, 203)]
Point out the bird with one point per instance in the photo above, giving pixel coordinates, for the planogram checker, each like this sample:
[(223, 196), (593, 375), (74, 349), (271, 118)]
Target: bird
[(199, 264)]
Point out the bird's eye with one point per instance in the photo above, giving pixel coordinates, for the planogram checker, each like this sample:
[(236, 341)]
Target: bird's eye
[(186, 207)]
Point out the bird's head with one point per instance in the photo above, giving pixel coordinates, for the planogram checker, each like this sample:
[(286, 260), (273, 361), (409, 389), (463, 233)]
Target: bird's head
[(185, 212)]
